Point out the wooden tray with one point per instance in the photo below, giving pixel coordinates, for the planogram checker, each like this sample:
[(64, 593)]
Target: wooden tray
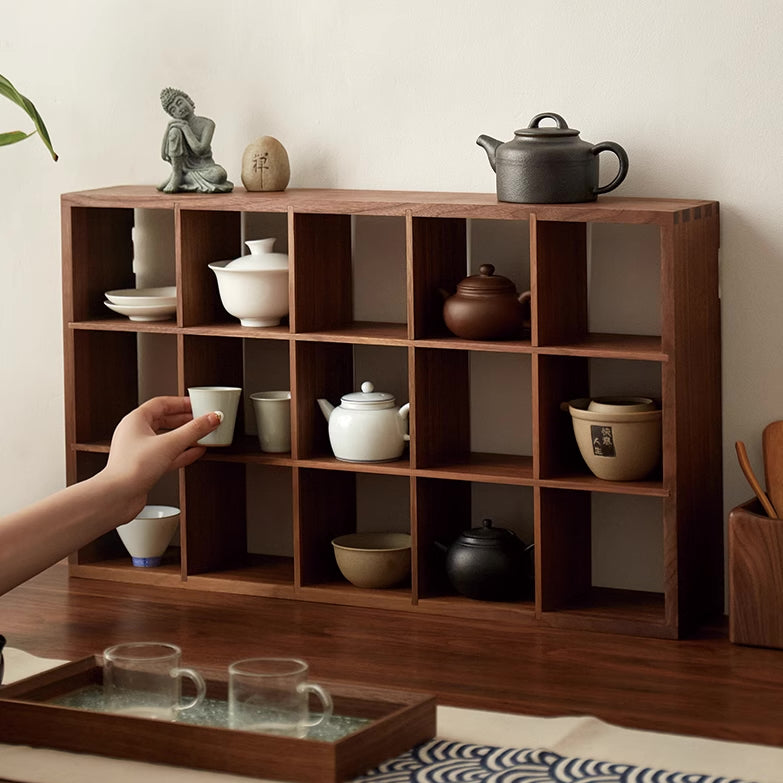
[(398, 721)]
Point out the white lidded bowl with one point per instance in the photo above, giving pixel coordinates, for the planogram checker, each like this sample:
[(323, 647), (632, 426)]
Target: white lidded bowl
[(148, 535), (617, 446), (373, 560), (254, 288)]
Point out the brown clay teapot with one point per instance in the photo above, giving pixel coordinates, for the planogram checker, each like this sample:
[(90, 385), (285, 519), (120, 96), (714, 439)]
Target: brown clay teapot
[(487, 306)]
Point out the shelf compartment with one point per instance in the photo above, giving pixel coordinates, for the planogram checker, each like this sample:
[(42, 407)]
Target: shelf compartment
[(444, 510), (261, 575), (560, 379), (328, 370), (331, 504), (204, 237), (460, 396), (598, 289), (347, 271), (576, 554), (97, 257)]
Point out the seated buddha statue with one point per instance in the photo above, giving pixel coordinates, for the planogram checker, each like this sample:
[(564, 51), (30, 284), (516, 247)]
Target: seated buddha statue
[(187, 145)]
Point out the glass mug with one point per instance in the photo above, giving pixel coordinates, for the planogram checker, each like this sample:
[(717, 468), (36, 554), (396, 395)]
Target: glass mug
[(271, 695), (144, 679)]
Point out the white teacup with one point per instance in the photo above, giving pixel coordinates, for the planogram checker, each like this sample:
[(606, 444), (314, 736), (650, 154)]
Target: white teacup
[(148, 535), (205, 399), (273, 418)]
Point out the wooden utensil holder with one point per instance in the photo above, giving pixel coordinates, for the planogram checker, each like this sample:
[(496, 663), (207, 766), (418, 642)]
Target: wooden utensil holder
[(755, 577)]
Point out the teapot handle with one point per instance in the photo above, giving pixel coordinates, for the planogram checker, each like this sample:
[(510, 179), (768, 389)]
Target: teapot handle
[(622, 156), (561, 123)]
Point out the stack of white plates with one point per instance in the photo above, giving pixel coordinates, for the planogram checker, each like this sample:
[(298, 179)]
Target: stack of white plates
[(144, 304)]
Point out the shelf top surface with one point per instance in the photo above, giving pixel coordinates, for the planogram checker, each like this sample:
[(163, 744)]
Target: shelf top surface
[(392, 203)]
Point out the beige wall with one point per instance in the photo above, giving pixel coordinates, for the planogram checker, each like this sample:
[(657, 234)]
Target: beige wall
[(391, 94)]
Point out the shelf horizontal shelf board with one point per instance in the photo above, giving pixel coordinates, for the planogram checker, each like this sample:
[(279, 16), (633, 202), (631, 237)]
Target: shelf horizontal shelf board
[(246, 449), (400, 466), (607, 209), (611, 346), (596, 345), (261, 575), (605, 608), (470, 609), (235, 329), (456, 343), (484, 468), (125, 325), (591, 483), (122, 570), (344, 593), (372, 332)]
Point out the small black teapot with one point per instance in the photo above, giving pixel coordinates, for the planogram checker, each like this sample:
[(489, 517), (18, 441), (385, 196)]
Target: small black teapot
[(489, 563)]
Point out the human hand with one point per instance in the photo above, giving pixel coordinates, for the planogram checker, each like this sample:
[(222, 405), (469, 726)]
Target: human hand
[(158, 436)]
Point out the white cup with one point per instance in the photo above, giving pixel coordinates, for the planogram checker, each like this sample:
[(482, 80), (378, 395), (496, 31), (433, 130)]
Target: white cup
[(205, 399), (273, 418)]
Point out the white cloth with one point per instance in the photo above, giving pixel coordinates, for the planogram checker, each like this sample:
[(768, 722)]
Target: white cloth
[(582, 737)]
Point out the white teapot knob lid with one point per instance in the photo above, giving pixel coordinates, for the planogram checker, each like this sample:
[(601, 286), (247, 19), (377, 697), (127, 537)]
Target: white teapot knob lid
[(368, 387)]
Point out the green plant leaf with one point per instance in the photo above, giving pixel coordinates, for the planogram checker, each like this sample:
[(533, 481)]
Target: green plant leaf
[(12, 137), (9, 91)]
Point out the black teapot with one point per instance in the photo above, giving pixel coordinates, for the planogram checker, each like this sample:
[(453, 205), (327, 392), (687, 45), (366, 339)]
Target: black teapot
[(490, 564), (550, 165)]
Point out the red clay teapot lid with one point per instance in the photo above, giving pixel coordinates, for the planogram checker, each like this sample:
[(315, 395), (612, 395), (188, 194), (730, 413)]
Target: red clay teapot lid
[(486, 282)]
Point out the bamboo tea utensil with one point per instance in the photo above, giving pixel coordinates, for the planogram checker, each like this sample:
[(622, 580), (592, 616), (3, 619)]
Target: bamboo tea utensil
[(772, 448), (744, 462)]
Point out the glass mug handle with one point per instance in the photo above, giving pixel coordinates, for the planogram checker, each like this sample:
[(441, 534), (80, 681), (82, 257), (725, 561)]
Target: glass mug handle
[(326, 700), (198, 681)]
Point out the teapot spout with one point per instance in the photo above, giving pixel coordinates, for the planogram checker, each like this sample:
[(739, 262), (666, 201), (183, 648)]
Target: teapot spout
[(326, 407), (490, 145)]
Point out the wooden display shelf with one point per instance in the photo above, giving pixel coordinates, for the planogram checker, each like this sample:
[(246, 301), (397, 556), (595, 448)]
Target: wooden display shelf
[(319, 343)]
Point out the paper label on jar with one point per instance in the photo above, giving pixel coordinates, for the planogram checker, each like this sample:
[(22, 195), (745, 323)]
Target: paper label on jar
[(603, 442)]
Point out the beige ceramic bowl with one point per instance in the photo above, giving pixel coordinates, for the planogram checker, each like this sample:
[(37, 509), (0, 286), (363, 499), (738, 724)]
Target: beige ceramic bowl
[(373, 560), (617, 446)]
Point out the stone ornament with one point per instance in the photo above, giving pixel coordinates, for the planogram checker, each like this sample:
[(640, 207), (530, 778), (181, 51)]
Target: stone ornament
[(265, 165), (187, 146)]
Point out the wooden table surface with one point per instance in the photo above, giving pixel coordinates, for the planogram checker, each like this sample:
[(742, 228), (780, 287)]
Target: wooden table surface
[(704, 686)]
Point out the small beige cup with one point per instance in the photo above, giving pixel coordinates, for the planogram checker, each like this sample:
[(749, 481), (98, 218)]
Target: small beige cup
[(144, 679), (271, 696), (205, 399), (273, 418)]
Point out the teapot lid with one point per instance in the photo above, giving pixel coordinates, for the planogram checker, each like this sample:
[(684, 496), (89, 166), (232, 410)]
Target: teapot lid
[(486, 282), (368, 398), (486, 535), (562, 128)]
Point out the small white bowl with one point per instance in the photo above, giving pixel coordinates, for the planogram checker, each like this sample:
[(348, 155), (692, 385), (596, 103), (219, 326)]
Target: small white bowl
[(374, 560), (150, 297), (148, 535), (144, 312)]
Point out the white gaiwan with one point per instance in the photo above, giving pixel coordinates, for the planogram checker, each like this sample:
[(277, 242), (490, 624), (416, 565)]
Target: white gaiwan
[(148, 535), (254, 288)]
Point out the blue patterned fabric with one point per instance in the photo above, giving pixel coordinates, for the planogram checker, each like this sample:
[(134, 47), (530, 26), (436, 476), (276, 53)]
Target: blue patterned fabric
[(443, 761)]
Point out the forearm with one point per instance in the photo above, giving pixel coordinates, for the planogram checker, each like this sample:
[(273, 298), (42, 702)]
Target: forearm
[(36, 537)]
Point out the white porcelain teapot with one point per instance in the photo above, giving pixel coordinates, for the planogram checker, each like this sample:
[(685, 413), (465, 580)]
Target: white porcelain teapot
[(367, 427)]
